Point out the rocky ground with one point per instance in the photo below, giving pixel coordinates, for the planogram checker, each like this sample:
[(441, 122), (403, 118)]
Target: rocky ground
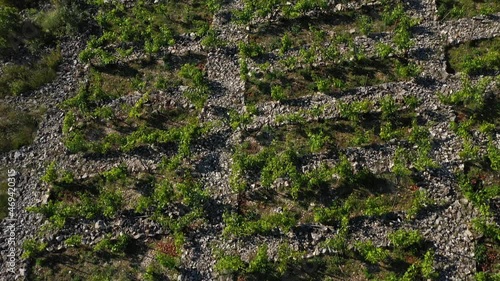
[(446, 226)]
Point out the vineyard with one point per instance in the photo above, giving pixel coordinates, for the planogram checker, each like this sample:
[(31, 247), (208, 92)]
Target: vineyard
[(251, 139)]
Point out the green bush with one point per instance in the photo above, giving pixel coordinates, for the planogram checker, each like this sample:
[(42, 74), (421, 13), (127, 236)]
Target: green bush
[(383, 50), (494, 156), (228, 264), (370, 252), (167, 261), (317, 141), (375, 206), (354, 110), (32, 248), (260, 263), (286, 44), (406, 239), (51, 174), (427, 266), (250, 50), (211, 40), (240, 226), (365, 24), (116, 246), (278, 93), (74, 240), (389, 107), (110, 202), (419, 203)]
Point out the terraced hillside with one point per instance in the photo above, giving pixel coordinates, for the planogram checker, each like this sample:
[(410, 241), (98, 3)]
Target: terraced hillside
[(250, 140)]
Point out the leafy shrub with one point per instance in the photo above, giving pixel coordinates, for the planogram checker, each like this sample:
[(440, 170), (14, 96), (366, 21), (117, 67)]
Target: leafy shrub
[(470, 95), (388, 132), (375, 206), (389, 107), (406, 239), (167, 261), (74, 240), (339, 242), (32, 248), (192, 74), (110, 202), (353, 110), (383, 50), (371, 253), (64, 18), (51, 174), (287, 258), (317, 141), (337, 212), (260, 263), (391, 14), (115, 246), (240, 226), (250, 50), (407, 71), (286, 44), (493, 155), (238, 119), (419, 203), (114, 174), (211, 40), (228, 264), (278, 93), (427, 266), (365, 24)]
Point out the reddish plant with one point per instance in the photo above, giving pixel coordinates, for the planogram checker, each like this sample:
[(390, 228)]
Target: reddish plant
[(167, 247)]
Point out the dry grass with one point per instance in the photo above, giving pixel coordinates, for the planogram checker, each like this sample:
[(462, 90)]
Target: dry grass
[(17, 129)]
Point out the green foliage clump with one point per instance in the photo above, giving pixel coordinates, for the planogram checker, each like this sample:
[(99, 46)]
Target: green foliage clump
[(167, 261), (74, 240), (198, 89), (51, 174), (250, 50), (337, 212), (383, 50), (375, 206), (317, 141), (371, 253), (240, 226), (353, 111), (237, 119), (286, 44), (419, 203), (228, 264), (278, 93), (260, 263), (470, 95), (365, 24), (402, 33), (406, 239), (32, 248), (117, 245)]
